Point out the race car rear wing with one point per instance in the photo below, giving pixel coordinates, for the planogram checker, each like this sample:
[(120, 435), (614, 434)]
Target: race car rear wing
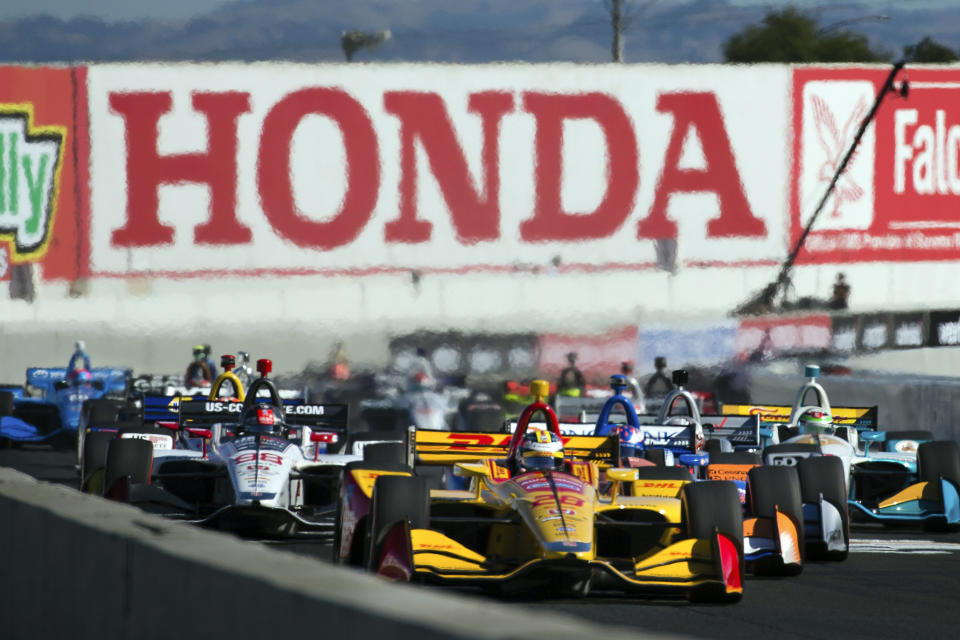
[(319, 417), (860, 418), (449, 447), (743, 432), (159, 407), (112, 379)]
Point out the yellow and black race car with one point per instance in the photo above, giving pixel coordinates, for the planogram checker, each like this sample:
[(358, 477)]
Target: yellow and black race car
[(565, 525)]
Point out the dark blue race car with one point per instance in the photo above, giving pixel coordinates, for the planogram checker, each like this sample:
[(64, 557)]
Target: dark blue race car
[(48, 409)]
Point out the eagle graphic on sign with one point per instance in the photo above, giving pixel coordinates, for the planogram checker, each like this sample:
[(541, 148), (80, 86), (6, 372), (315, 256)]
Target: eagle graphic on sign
[(835, 143)]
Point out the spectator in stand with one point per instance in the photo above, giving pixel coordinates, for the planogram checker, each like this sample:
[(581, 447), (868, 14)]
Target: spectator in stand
[(659, 383), (841, 293), (198, 373), (208, 358), (571, 382)]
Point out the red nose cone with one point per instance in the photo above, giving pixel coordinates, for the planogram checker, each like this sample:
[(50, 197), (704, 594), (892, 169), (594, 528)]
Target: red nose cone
[(264, 366), (228, 362)]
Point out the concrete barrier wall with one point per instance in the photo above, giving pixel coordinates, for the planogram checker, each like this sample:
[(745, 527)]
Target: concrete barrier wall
[(76, 566)]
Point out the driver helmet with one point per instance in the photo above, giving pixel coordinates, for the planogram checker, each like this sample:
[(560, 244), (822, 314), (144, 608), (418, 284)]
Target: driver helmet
[(631, 440), (80, 375), (262, 418), (815, 421), (540, 450), (198, 352)]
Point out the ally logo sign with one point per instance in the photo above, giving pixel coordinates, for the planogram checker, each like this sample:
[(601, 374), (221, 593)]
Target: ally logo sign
[(30, 162)]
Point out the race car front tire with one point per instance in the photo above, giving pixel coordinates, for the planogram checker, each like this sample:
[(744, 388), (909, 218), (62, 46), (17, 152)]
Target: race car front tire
[(711, 507), (94, 459), (129, 461), (773, 489), (824, 475), (396, 499), (6, 403), (935, 460)]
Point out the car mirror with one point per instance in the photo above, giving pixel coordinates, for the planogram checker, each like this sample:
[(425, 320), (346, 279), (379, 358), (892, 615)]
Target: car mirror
[(622, 475)]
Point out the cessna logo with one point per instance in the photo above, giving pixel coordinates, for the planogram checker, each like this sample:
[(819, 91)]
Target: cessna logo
[(832, 112), (30, 160)]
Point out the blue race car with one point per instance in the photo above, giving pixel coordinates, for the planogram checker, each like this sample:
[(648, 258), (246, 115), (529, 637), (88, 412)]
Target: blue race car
[(49, 407)]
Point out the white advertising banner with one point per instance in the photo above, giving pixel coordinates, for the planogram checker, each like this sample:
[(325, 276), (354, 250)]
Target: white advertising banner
[(282, 168)]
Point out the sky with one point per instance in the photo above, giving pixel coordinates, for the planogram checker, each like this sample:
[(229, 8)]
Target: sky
[(186, 9), (455, 31)]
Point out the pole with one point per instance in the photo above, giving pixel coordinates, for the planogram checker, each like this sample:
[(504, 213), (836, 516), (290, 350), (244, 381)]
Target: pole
[(616, 13), (770, 291)]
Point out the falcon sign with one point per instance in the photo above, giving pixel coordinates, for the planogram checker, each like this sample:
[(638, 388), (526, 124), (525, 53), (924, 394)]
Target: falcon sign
[(359, 169), (897, 200)]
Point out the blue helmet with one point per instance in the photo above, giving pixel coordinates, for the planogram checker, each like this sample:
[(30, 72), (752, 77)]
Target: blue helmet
[(631, 440)]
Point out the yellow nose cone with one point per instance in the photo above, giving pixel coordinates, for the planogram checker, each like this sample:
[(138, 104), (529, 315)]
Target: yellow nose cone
[(540, 389)]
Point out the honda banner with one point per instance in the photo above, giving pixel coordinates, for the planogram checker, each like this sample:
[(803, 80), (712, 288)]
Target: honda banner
[(284, 168)]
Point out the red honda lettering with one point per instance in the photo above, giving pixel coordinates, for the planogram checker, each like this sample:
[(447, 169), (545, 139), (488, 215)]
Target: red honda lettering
[(362, 159), (475, 216), (700, 111), (549, 221), (147, 169)]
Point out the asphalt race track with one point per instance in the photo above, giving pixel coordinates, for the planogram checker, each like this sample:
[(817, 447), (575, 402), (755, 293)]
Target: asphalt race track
[(895, 584)]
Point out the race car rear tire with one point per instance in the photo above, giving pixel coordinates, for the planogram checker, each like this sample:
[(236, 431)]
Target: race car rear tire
[(714, 446), (102, 412), (735, 457), (378, 453), (664, 473), (774, 488), (805, 451), (129, 460), (940, 458), (825, 475), (656, 456), (395, 499), (710, 507), (6, 403), (373, 436), (94, 459)]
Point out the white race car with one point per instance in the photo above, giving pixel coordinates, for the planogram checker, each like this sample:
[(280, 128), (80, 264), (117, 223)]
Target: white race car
[(260, 468)]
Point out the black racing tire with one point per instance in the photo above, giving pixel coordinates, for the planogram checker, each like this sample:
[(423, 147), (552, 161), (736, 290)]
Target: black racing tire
[(664, 473), (735, 457), (773, 488), (824, 475), (785, 433), (714, 446), (6, 403), (656, 456), (396, 435), (805, 450), (394, 499), (379, 453), (709, 506), (102, 412), (95, 444), (130, 458), (940, 458)]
